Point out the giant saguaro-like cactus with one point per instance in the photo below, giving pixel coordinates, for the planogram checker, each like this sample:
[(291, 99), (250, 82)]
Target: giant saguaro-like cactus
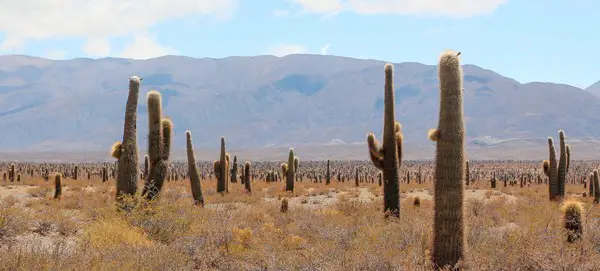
[(388, 157), (159, 146), (221, 168), (193, 171), (327, 174), (246, 176), (127, 151), (234, 170), (449, 240), (557, 172), (289, 170)]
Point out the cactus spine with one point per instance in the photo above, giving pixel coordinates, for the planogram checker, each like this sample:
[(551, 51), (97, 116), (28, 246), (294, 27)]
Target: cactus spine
[(449, 241), (126, 152), (221, 167), (289, 169), (388, 158), (193, 171), (159, 146)]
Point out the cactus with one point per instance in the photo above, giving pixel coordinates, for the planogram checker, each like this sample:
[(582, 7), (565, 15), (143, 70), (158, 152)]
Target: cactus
[(591, 184), (146, 167), (573, 213), (220, 167), (467, 175), (75, 172), (562, 165), (557, 172), (234, 170), (289, 169), (246, 177), (193, 171), (284, 205), (159, 146), (57, 185), (596, 187), (19, 177), (104, 174), (449, 240), (327, 174), (388, 158), (550, 169), (11, 172), (126, 152)]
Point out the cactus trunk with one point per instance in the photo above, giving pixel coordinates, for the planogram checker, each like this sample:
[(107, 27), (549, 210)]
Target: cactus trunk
[(193, 171), (449, 239)]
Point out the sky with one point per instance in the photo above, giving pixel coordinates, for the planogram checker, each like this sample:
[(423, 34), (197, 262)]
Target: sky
[(527, 40)]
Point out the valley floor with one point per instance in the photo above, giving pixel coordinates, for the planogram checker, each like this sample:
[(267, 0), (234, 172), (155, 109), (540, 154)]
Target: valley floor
[(334, 227)]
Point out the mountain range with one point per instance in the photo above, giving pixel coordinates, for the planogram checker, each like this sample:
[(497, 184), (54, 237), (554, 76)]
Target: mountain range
[(77, 106)]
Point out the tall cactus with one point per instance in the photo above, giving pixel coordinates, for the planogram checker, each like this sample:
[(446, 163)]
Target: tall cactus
[(234, 170), (449, 240), (57, 186), (328, 174), (591, 185), (146, 167), (246, 177), (221, 167), (193, 171), (388, 158), (289, 169), (159, 146), (126, 152), (557, 172), (596, 187), (562, 164)]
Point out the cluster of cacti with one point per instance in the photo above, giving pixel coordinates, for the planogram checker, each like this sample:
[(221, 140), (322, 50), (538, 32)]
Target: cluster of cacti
[(557, 173), (449, 240), (159, 146), (388, 157), (449, 173)]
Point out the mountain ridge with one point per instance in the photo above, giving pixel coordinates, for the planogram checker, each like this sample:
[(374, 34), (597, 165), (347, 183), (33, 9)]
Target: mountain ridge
[(258, 101)]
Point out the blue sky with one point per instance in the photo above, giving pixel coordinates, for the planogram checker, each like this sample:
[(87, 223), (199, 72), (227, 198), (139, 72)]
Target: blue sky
[(528, 40)]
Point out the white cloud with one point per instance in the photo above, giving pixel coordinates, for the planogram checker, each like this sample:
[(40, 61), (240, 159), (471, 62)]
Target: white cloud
[(145, 46), (450, 8), (325, 49), (320, 6), (97, 47), (56, 54), (99, 19), (286, 49)]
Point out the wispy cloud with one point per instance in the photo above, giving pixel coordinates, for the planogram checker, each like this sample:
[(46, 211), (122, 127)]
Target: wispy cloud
[(448, 8), (286, 49), (325, 49), (144, 46)]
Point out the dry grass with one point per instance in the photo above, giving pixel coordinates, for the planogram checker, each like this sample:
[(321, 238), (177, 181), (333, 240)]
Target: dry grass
[(83, 231)]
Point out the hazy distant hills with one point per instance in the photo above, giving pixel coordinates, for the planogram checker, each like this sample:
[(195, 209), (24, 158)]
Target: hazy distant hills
[(78, 105)]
